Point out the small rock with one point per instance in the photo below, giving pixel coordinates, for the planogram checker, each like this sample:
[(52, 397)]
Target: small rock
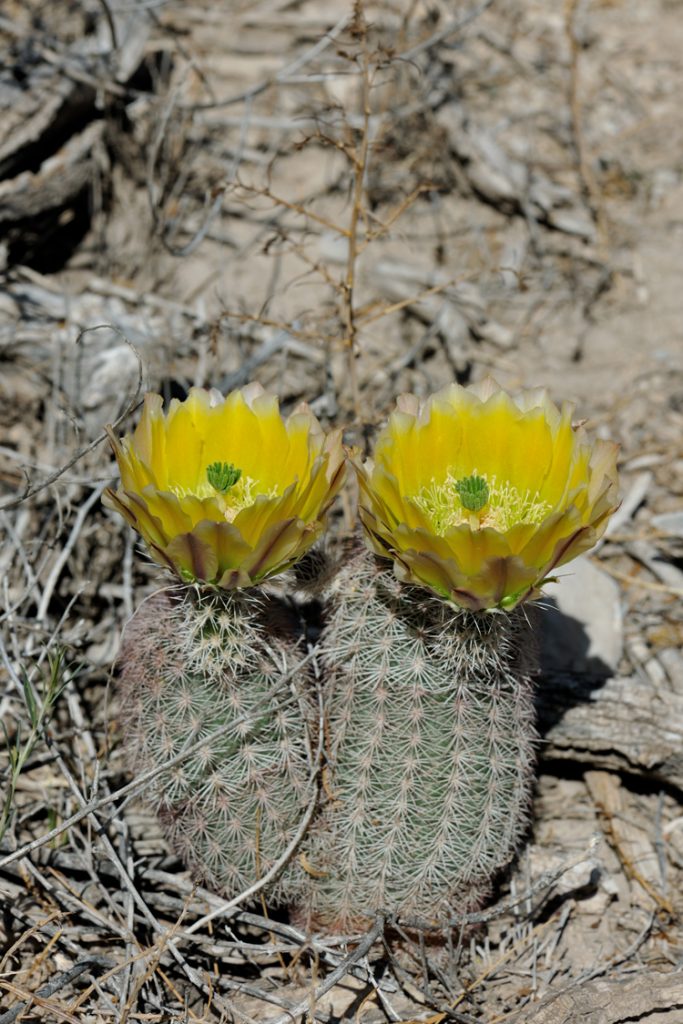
[(670, 523), (586, 874), (659, 564), (496, 333), (581, 622)]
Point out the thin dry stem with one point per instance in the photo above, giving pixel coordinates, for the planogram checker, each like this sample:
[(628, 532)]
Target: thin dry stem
[(359, 165), (589, 185)]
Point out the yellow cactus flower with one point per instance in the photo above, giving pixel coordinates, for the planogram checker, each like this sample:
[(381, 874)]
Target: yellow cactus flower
[(224, 490), (480, 495)]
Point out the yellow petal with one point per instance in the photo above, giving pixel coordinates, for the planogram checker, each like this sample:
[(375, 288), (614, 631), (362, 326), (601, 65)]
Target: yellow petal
[(551, 490), (290, 472), (149, 440), (504, 443), (166, 507)]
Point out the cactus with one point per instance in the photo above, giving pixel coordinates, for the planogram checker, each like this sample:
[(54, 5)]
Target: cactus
[(428, 715), (430, 734), (197, 663), (429, 738)]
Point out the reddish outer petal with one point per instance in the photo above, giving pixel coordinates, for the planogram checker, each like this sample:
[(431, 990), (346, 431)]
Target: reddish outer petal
[(275, 548), (497, 572), (570, 547), (110, 499), (503, 578), (135, 511), (160, 556), (188, 552), (426, 569), (234, 578), (226, 541), (374, 533)]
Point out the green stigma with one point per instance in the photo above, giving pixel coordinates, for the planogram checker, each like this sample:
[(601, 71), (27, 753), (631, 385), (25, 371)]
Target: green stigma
[(473, 492), (222, 475)]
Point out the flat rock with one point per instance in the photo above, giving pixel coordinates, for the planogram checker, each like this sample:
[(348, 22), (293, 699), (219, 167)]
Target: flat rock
[(581, 622), (670, 523), (647, 996)]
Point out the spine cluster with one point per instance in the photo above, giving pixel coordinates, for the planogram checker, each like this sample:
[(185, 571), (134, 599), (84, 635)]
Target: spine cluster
[(430, 747), (218, 675)]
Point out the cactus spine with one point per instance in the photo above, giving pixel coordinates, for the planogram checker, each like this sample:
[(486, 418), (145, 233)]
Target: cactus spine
[(195, 664), (430, 746)]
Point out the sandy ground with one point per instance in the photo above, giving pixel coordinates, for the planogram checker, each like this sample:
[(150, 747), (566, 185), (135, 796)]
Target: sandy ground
[(343, 208)]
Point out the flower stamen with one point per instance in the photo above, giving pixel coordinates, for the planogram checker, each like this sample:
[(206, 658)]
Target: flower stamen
[(480, 502), (228, 486)]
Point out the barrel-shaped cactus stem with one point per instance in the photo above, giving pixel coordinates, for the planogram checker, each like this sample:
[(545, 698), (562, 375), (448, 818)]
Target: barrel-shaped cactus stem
[(224, 669), (431, 740)]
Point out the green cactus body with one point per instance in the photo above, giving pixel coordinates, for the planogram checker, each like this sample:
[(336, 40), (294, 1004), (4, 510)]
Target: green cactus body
[(223, 665), (431, 738)]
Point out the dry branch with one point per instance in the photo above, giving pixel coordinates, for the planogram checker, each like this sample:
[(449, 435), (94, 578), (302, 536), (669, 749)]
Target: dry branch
[(623, 724), (614, 1001)]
